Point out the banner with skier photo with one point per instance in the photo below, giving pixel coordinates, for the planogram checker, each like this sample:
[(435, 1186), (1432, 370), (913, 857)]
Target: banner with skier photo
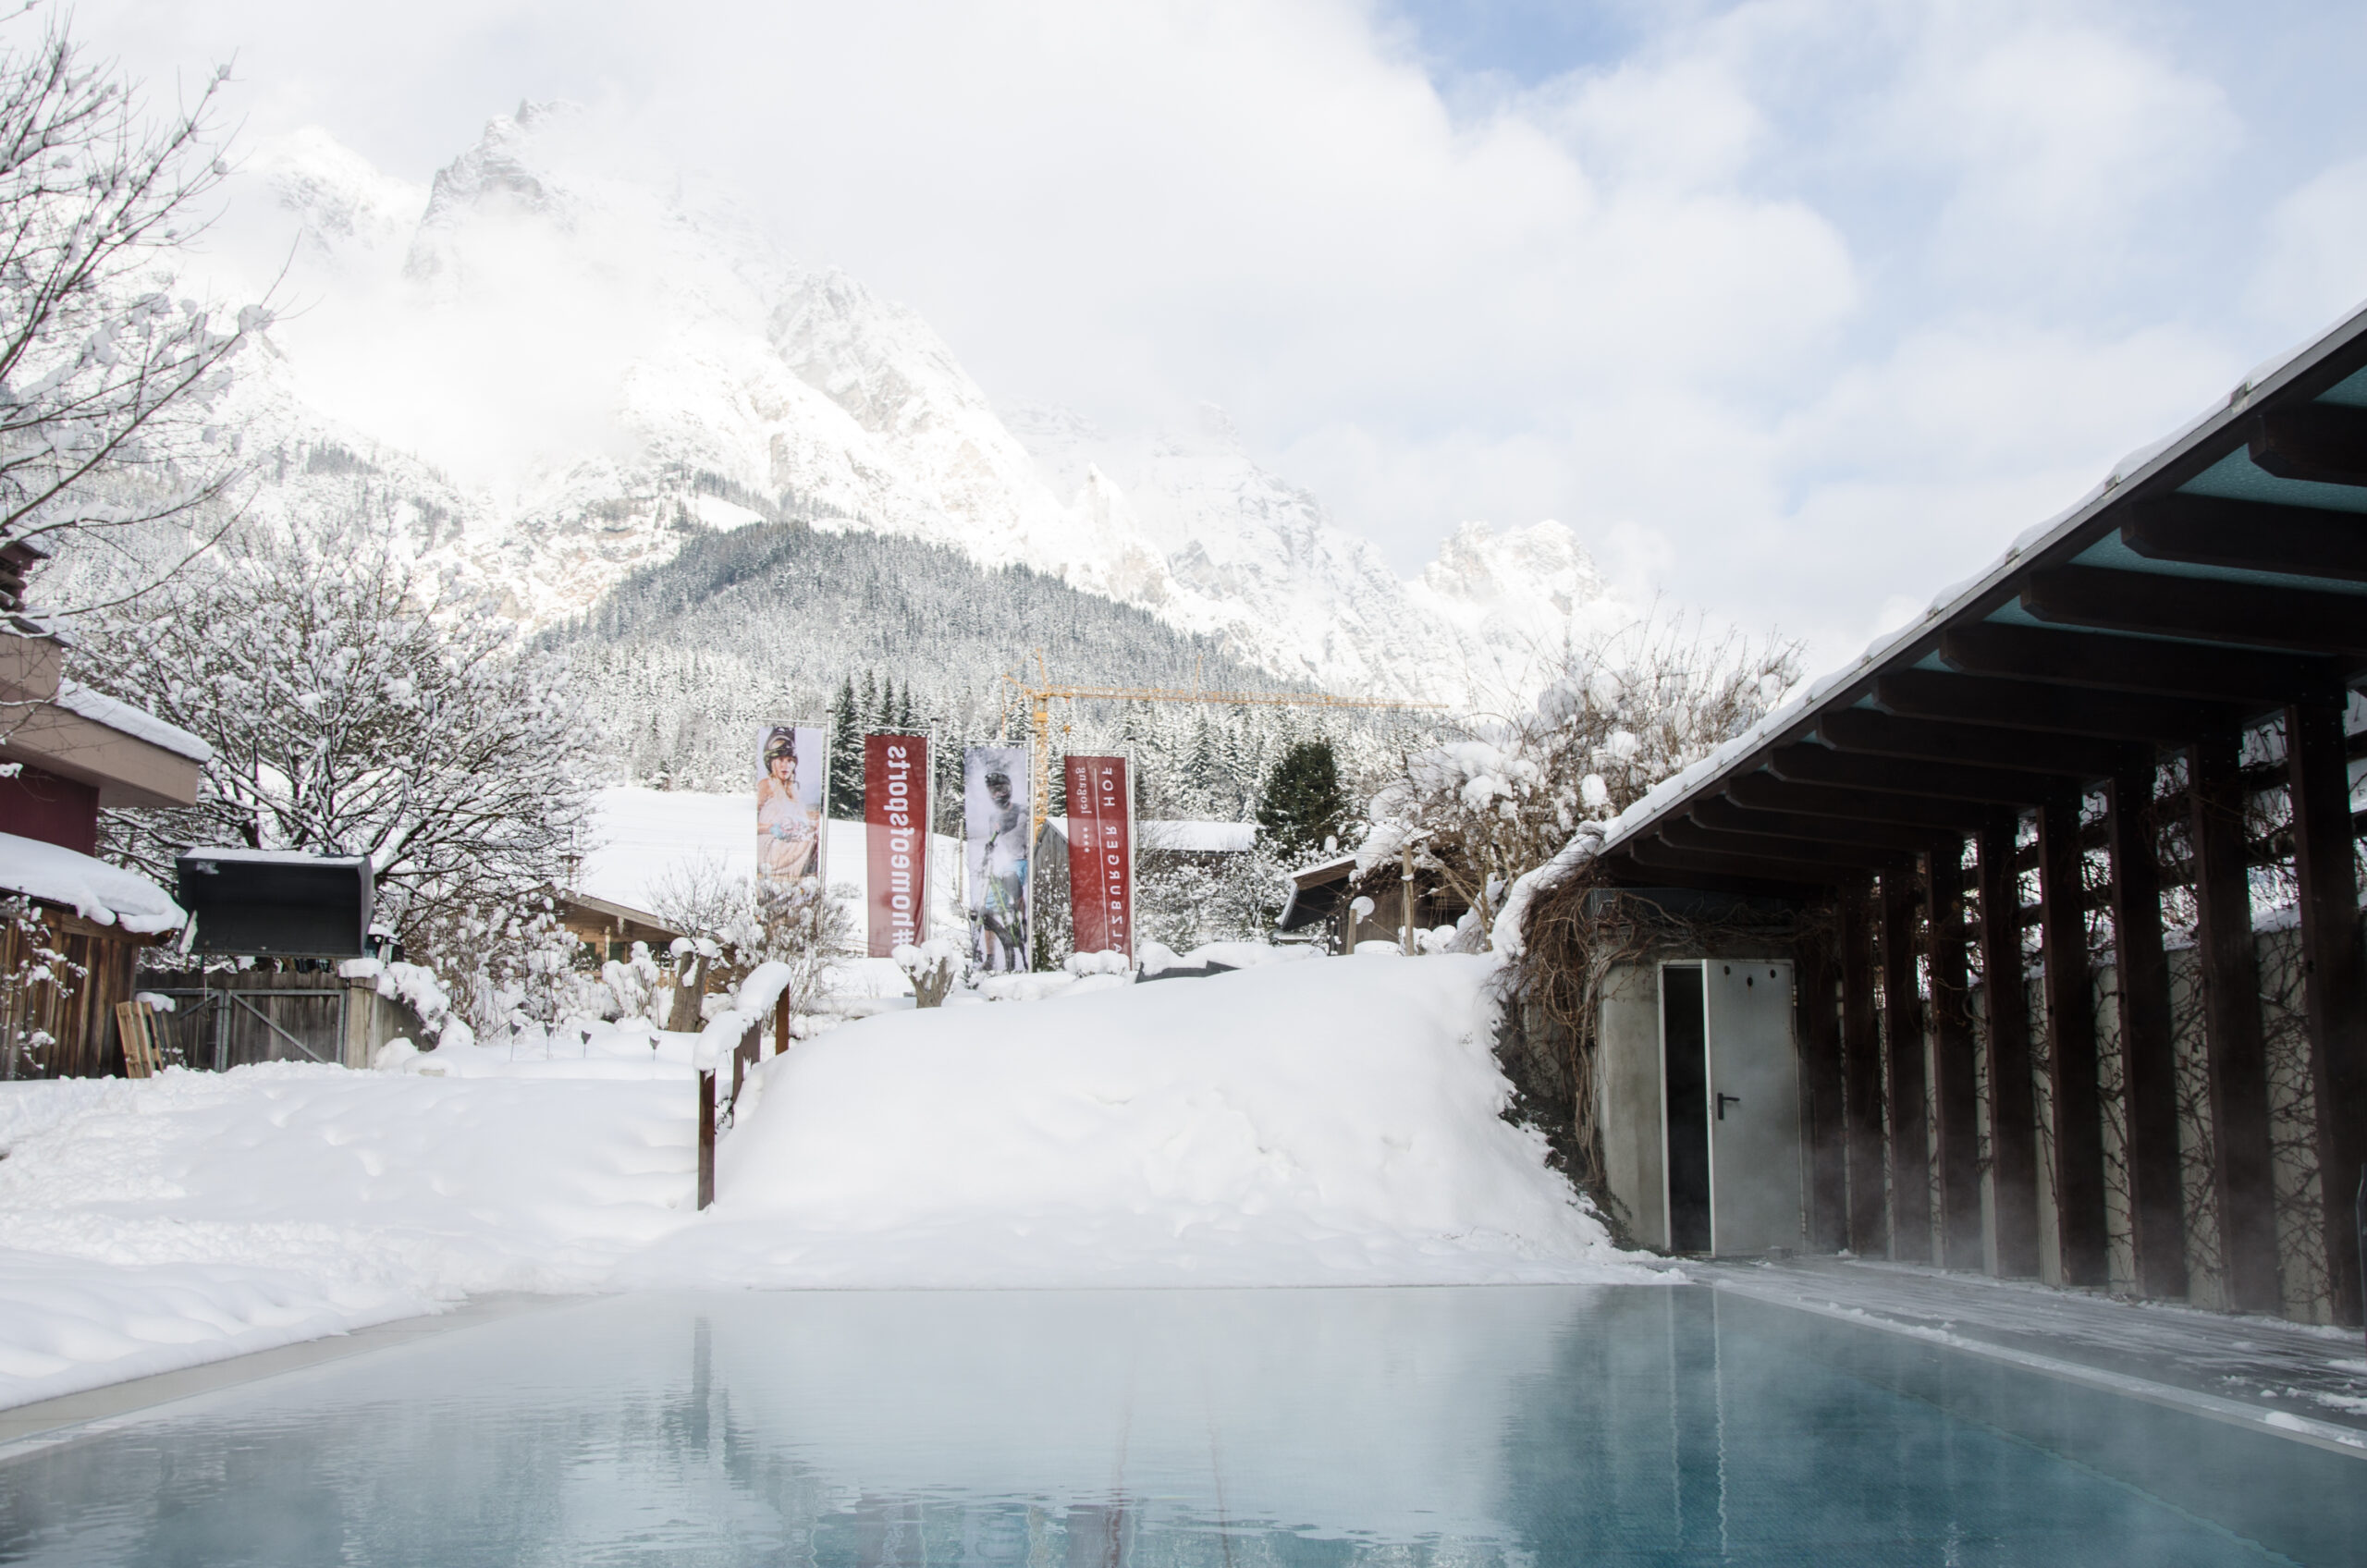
[(895, 816), (998, 829), (1101, 854), (792, 785)]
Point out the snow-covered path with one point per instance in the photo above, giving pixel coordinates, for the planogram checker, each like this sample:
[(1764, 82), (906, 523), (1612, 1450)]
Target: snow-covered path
[(1301, 1123)]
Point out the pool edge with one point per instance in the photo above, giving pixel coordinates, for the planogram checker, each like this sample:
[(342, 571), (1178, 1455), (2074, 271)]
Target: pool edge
[(28, 1428)]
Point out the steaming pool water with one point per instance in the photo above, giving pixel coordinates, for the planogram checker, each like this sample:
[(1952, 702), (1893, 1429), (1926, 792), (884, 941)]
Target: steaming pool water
[(1503, 1425)]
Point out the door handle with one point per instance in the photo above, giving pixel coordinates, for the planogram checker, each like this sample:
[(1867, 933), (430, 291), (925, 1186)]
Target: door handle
[(1721, 1104)]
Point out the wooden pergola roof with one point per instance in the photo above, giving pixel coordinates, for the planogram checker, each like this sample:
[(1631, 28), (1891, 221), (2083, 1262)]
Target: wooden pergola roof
[(2211, 582), (2212, 586)]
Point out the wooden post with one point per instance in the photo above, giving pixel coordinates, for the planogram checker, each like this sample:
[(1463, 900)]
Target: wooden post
[(2148, 1057), (780, 1022), (1405, 899), (1955, 1085), (2333, 979), (2234, 1042), (1819, 1031), (1862, 1075), (1911, 1126), (706, 1137), (2071, 1047), (2013, 1099)]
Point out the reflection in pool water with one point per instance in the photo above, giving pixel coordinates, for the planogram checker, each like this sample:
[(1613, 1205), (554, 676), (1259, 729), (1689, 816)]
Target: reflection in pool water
[(1545, 1425)]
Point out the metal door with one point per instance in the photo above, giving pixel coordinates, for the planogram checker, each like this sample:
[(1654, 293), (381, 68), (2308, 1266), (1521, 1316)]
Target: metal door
[(1754, 1106)]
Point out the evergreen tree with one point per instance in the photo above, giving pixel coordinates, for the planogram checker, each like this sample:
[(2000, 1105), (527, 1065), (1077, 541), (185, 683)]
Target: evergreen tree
[(846, 757), (1302, 804), (904, 719)]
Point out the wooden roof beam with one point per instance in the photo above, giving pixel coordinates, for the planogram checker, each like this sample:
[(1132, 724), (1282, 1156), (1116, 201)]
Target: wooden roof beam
[(2249, 536), (1725, 816), (1997, 786), (2030, 751), (1687, 833), (1764, 791), (1758, 869), (2300, 620), (2243, 677), (2323, 443), (2037, 704)]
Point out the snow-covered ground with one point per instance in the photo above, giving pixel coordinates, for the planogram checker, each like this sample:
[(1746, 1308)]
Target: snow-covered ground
[(1314, 1122)]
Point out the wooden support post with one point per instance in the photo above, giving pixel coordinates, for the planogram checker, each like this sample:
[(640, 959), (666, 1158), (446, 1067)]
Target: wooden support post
[(2148, 1057), (706, 1137), (1955, 1082), (1910, 1124), (2234, 1042), (2071, 1047), (1818, 1004), (1862, 1075), (2333, 979), (2013, 1099), (781, 1022)]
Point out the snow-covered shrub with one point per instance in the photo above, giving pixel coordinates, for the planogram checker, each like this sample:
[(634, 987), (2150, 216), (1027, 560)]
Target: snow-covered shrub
[(632, 982), (1624, 712), (738, 923), (933, 967), (510, 969)]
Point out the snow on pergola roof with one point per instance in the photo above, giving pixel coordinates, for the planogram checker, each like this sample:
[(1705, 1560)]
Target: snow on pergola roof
[(2211, 578)]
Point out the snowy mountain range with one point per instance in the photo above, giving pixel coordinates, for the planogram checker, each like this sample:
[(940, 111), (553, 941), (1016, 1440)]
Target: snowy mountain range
[(549, 372)]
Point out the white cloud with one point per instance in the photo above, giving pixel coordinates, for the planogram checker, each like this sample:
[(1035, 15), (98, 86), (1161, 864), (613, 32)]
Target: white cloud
[(2315, 266), (1805, 304)]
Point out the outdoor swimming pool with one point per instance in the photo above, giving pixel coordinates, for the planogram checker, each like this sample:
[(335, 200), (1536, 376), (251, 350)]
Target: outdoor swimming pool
[(1521, 1425)]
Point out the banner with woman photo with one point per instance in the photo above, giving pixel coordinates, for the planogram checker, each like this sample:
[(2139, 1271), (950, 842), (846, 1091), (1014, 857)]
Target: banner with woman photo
[(793, 782), (998, 827)]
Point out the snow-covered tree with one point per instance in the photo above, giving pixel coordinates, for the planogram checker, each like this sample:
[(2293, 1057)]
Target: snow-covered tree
[(1625, 711), (352, 710), (736, 922), (107, 379)]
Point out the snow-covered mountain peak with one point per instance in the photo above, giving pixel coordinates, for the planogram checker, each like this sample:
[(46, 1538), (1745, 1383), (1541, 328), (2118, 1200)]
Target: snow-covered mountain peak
[(599, 360)]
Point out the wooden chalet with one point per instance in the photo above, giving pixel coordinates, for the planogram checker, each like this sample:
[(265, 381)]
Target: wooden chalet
[(76, 750), (2056, 744)]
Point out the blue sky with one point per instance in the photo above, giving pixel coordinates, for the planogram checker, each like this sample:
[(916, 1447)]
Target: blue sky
[(1796, 310)]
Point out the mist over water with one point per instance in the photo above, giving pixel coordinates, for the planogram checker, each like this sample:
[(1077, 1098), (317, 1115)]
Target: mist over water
[(1546, 1425)]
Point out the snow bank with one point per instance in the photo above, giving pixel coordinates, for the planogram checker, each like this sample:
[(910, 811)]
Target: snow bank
[(151, 1225), (1296, 1123), (92, 889)]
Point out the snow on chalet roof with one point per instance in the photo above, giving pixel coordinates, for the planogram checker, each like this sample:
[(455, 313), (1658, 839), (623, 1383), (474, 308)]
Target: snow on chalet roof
[(99, 708), (92, 889), (1666, 796)]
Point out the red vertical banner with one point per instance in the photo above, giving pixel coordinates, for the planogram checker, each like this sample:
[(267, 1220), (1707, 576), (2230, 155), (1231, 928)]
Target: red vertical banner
[(895, 821), (1101, 854)]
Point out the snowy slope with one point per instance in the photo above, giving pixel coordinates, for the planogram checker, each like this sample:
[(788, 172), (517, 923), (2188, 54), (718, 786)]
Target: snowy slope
[(1328, 1122), (546, 369)]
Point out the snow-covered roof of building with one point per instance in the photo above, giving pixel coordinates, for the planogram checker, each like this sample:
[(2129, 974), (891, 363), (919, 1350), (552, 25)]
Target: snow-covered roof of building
[(100, 708), (244, 856), (91, 887)]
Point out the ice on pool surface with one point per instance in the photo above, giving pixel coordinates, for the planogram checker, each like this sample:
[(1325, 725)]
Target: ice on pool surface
[(1521, 1425)]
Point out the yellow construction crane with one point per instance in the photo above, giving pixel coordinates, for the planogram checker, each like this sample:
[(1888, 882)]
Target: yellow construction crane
[(1039, 694)]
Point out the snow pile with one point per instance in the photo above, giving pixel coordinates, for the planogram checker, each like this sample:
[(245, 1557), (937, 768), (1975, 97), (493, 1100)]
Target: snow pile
[(106, 894), (1295, 1124), (151, 1225)]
